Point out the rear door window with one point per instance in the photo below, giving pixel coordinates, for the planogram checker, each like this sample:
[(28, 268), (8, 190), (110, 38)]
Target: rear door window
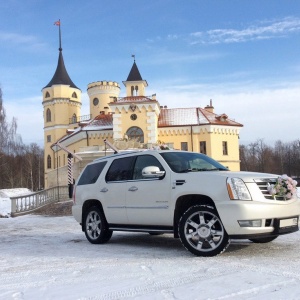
[(91, 173), (120, 169)]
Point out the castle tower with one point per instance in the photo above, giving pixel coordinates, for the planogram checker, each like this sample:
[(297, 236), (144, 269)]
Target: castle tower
[(101, 93), (135, 117), (135, 85), (62, 107)]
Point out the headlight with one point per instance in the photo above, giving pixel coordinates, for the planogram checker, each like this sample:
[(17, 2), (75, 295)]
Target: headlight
[(237, 189)]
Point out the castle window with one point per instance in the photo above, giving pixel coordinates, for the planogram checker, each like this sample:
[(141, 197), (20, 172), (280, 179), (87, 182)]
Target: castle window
[(132, 91), (48, 138), (225, 148), (203, 147), (184, 146), (135, 133), (48, 162), (95, 101), (47, 95), (136, 90), (74, 118), (48, 115), (74, 95)]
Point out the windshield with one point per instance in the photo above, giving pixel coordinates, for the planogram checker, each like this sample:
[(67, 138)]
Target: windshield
[(182, 162)]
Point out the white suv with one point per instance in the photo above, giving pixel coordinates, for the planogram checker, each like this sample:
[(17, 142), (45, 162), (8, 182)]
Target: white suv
[(184, 193)]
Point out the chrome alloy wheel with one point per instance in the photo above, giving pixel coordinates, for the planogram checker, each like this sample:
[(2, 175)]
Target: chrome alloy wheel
[(201, 231), (93, 225), (204, 231)]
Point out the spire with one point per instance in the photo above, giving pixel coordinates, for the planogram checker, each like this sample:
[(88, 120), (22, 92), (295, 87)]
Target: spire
[(61, 75), (134, 74)]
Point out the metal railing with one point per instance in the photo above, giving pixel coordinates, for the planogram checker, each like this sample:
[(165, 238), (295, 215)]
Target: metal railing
[(24, 204)]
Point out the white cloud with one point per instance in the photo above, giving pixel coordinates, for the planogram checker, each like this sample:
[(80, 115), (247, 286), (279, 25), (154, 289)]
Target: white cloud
[(266, 30), (270, 114), (30, 42), (29, 115)]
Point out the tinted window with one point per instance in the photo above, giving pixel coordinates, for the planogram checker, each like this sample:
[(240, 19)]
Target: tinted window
[(181, 162), (120, 169), (91, 173), (145, 161)]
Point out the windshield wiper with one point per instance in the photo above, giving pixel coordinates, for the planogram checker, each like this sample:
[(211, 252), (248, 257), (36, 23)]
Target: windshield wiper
[(217, 169), (201, 170)]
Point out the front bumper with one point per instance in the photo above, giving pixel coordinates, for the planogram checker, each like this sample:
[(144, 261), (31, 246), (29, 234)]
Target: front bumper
[(269, 212)]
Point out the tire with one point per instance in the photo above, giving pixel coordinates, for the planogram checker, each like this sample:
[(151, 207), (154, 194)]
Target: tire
[(96, 228), (264, 240), (201, 231)]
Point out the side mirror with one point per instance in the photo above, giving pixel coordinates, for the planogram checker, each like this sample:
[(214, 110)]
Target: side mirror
[(152, 172)]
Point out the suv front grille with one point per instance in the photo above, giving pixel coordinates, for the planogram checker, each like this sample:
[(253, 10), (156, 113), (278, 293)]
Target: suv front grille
[(263, 186)]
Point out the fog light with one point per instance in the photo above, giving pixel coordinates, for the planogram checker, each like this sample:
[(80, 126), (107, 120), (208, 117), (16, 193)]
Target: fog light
[(250, 223)]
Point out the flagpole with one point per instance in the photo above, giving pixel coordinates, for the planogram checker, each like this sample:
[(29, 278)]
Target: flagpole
[(60, 48)]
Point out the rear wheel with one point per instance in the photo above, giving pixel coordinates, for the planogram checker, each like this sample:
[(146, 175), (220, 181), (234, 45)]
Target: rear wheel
[(264, 240), (96, 229), (202, 232)]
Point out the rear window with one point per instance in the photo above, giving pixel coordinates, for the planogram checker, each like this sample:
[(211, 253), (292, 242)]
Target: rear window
[(91, 173)]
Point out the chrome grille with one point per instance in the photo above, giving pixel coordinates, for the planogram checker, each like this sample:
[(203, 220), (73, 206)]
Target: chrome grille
[(263, 186)]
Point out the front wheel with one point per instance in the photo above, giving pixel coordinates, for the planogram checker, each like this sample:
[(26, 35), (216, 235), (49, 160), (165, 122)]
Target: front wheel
[(202, 232), (96, 229), (264, 240)]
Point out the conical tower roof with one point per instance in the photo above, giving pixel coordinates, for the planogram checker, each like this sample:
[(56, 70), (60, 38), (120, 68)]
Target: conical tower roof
[(134, 74), (61, 75)]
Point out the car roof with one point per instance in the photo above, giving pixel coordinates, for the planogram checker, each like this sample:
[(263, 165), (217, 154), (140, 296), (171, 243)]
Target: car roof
[(129, 152)]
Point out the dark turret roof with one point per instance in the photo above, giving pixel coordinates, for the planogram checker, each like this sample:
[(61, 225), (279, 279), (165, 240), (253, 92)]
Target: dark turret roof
[(134, 74), (61, 75)]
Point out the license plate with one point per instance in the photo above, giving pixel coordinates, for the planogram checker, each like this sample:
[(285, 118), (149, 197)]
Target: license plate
[(288, 222)]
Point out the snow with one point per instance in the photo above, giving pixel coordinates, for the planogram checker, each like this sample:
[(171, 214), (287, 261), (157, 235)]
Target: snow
[(44, 257), (5, 202), (49, 258)]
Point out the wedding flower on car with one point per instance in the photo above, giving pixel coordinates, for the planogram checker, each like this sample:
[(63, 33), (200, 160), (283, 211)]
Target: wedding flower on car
[(284, 187)]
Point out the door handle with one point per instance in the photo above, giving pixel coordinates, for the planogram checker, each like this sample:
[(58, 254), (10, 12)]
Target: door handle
[(104, 190), (133, 189)]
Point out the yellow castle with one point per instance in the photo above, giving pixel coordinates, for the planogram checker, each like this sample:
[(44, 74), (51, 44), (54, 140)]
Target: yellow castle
[(130, 122)]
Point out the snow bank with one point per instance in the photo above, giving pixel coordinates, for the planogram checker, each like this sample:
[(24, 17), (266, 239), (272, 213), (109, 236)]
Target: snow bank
[(14, 192), (5, 202)]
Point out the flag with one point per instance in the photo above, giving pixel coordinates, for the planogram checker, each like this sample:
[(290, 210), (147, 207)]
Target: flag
[(57, 23)]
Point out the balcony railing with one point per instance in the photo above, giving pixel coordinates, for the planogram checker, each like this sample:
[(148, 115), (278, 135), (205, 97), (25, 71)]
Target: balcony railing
[(75, 119)]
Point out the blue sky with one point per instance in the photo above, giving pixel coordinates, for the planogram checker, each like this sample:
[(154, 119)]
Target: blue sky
[(244, 55)]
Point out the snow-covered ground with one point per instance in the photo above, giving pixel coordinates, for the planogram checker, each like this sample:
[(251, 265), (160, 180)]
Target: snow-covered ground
[(49, 258)]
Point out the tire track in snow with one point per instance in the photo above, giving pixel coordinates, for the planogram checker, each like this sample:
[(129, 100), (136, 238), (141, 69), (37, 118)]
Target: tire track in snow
[(161, 285)]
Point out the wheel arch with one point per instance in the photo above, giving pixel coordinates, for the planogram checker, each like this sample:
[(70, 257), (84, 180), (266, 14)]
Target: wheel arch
[(186, 201)]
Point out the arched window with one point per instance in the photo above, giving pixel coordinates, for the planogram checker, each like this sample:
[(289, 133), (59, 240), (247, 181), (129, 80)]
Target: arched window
[(74, 119), (47, 95), (48, 115), (135, 133), (132, 91), (136, 90), (48, 162), (74, 95)]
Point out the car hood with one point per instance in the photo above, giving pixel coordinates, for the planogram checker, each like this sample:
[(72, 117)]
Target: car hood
[(245, 176)]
